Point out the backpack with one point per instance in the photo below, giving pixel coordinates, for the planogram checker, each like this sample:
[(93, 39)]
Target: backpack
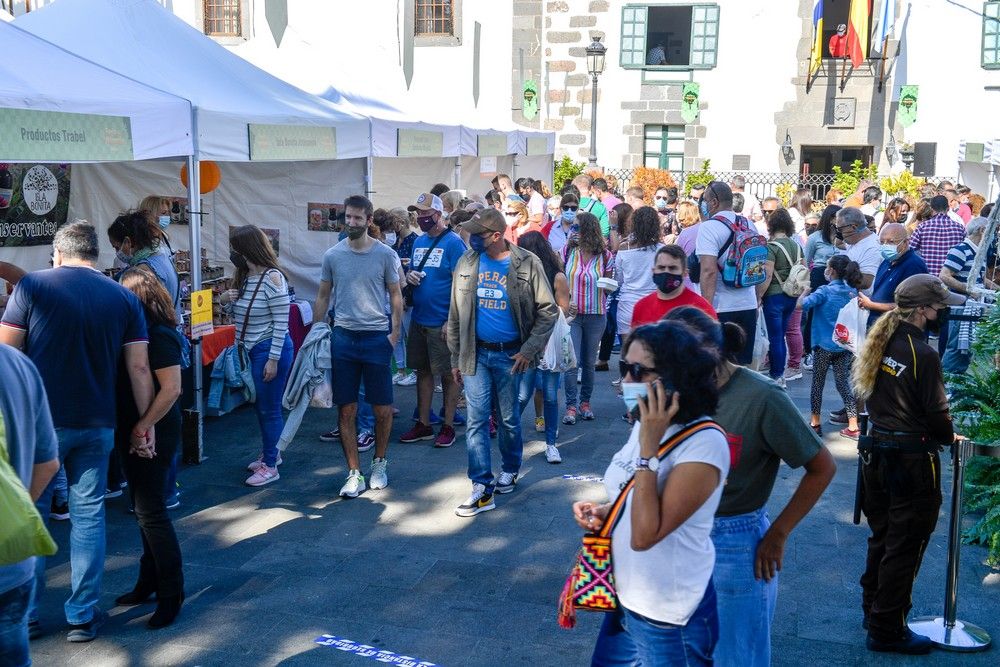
[(743, 265), (798, 275)]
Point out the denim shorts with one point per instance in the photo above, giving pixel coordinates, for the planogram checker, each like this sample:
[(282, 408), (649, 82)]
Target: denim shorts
[(361, 355)]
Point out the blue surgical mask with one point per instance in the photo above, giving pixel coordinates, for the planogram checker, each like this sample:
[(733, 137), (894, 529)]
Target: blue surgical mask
[(890, 251), (164, 221), (477, 243), (703, 209), (123, 258), (632, 392), (390, 238), (568, 216)]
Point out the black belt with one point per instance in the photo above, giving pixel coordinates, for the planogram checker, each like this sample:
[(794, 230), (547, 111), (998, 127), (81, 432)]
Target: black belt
[(509, 346), (902, 440)]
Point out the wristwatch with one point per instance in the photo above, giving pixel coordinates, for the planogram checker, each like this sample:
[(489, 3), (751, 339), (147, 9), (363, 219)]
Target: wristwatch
[(652, 465)]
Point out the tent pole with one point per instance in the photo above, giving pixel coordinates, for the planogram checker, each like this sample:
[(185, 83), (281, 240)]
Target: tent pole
[(196, 453), (513, 175), (370, 162), (458, 172)]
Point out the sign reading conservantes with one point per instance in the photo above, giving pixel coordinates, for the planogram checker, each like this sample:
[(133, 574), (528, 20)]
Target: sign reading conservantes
[(292, 142), (492, 145), (55, 136), (419, 143), (34, 202)]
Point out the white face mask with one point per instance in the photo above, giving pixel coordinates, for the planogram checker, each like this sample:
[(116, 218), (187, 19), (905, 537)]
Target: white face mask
[(164, 221), (390, 238)]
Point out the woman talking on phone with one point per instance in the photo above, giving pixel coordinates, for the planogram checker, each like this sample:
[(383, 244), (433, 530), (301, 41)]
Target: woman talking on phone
[(661, 542)]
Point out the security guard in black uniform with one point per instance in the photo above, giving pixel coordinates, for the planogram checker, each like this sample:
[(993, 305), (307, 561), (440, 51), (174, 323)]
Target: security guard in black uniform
[(900, 376)]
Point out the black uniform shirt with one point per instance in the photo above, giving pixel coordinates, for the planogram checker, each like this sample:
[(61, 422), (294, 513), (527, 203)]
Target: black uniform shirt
[(909, 391)]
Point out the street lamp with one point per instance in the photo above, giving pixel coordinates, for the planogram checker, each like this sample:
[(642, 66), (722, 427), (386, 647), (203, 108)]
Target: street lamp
[(787, 151), (890, 150), (595, 65)]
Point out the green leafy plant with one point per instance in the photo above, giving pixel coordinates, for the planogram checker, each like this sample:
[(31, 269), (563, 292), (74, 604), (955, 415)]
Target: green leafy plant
[(566, 170), (784, 192), (701, 177), (905, 185), (847, 181)]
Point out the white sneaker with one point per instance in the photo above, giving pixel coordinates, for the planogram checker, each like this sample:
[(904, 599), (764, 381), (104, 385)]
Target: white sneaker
[(506, 482), (354, 486), (481, 500), (781, 382), (377, 478), (398, 376), (807, 362), (407, 380), (438, 389), (552, 454), (793, 374)]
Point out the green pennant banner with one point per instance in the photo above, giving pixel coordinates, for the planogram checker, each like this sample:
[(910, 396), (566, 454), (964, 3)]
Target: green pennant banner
[(530, 93), (690, 97), (908, 105)]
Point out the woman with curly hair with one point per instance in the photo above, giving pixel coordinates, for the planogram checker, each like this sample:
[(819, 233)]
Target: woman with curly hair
[(897, 210), (634, 264)]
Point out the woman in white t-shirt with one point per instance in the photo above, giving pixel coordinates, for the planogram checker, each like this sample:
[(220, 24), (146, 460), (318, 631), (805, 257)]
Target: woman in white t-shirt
[(661, 546), (634, 264)]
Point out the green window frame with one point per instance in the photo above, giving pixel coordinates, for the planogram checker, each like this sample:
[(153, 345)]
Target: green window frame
[(704, 37), (663, 147), (991, 35)]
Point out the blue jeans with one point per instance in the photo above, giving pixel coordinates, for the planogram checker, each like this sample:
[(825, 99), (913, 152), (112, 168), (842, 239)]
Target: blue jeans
[(548, 383), (586, 331), (626, 638), (778, 309), (84, 453), (14, 626), (746, 604), (268, 404), (953, 360), (365, 420), (492, 379)]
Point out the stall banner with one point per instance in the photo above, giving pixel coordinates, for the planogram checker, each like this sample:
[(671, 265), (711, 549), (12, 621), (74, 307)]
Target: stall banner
[(34, 202), (908, 105), (419, 143), (324, 217), (491, 145), (28, 135), (690, 96), (201, 313), (292, 142)]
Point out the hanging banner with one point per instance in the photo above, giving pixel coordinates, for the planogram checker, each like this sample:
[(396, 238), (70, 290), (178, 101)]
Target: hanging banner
[(689, 102), (201, 313), (34, 203), (537, 146), (292, 142), (58, 136), (908, 105), (491, 145), (530, 93), (419, 143)]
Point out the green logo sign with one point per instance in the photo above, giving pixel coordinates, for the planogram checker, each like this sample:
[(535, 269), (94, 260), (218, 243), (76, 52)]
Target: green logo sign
[(908, 96), (55, 136), (689, 102), (292, 142), (492, 145), (419, 143)]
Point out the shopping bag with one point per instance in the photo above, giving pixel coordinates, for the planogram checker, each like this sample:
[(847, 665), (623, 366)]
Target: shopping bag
[(559, 355), (851, 327), (761, 344), (322, 394), (23, 534)]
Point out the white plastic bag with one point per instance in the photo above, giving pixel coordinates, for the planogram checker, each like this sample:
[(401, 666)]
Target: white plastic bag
[(761, 343), (851, 327), (322, 393), (559, 355)]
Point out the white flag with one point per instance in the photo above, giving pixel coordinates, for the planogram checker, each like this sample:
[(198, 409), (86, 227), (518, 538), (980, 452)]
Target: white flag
[(885, 26)]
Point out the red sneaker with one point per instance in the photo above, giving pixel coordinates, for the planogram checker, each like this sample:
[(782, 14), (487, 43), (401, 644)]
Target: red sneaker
[(420, 431), (851, 434), (446, 436)]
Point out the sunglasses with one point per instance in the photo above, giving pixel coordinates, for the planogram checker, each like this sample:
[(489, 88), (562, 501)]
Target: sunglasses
[(768, 212), (511, 214), (636, 371), (570, 208)]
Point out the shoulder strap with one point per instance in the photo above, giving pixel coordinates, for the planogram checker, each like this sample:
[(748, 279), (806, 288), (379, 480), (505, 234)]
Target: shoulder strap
[(427, 255), (785, 253), (246, 318), (732, 233), (614, 514)]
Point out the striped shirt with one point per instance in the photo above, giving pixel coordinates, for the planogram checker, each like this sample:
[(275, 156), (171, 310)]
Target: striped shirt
[(583, 276), (959, 262), (268, 312), (934, 238)]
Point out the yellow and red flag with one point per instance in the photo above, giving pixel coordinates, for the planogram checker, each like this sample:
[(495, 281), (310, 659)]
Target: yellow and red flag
[(857, 31), (816, 58)]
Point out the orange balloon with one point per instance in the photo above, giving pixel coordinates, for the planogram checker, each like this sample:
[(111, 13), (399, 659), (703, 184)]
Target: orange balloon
[(209, 179)]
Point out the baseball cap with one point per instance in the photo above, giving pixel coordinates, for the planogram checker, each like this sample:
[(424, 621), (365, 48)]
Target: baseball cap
[(924, 289), (487, 220), (427, 202)]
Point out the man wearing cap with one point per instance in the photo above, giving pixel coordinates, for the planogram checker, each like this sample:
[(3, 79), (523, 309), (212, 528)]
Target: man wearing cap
[(899, 375), (435, 255), (502, 312)]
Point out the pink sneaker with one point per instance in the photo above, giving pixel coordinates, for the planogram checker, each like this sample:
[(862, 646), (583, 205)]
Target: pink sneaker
[(252, 467), (262, 476)]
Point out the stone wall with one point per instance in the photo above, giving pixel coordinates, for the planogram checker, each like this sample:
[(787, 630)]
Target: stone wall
[(526, 58)]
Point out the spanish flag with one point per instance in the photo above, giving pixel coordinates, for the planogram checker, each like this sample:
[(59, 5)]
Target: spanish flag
[(816, 59), (857, 31)]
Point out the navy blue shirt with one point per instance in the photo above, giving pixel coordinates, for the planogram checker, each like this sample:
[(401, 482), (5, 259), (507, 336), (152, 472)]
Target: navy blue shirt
[(77, 322), (888, 277)]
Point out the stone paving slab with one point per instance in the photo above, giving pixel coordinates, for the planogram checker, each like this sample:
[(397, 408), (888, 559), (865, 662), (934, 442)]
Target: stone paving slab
[(269, 570)]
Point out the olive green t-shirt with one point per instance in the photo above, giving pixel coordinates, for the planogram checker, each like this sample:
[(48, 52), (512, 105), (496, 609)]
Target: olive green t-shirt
[(765, 427), (781, 265)]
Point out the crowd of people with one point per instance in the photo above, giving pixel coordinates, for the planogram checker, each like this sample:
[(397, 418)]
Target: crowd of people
[(460, 296)]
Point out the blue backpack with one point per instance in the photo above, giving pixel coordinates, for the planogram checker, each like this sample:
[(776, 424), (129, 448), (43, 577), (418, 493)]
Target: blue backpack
[(744, 263)]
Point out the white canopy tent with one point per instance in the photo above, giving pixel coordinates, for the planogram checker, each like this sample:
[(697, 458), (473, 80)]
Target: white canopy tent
[(978, 165)]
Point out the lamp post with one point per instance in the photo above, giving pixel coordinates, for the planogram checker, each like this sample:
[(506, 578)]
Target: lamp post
[(890, 150), (595, 65), (787, 151)]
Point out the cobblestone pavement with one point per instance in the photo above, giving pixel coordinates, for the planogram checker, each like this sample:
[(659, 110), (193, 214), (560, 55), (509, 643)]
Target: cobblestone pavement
[(269, 570)]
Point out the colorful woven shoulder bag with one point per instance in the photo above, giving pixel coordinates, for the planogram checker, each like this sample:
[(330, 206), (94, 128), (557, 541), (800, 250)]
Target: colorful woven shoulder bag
[(591, 583)]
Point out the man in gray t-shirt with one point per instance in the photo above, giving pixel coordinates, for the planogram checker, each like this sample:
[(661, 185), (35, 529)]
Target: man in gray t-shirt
[(359, 272)]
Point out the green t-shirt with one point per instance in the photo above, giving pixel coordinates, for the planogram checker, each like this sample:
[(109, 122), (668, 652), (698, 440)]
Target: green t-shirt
[(600, 211), (781, 265), (766, 428)]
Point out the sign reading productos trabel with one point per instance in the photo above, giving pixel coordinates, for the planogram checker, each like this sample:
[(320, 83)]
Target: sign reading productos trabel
[(56, 136), (292, 142)]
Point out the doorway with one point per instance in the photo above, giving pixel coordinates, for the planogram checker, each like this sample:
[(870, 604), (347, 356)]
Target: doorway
[(822, 159)]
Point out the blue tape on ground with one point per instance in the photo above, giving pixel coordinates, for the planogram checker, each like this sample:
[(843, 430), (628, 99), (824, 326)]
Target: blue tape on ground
[(583, 478), (377, 654)]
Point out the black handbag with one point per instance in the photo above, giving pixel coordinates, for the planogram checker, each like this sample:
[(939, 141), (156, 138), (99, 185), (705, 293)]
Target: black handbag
[(408, 288)]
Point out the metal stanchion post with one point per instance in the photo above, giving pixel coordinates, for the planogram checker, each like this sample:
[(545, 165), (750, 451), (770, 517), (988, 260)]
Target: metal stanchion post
[(947, 632)]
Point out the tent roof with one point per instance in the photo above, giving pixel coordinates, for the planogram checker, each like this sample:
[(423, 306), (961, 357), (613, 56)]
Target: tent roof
[(160, 123), (142, 40)]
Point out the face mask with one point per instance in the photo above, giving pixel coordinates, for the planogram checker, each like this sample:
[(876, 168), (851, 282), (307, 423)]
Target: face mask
[(828, 276), (703, 209), (238, 260), (390, 238), (934, 326), (426, 224), (445, 216), (568, 216), (355, 233), (668, 282), (661, 203), (123, 258), (164, 221), (632, 392), (477, 243), (890, 251)]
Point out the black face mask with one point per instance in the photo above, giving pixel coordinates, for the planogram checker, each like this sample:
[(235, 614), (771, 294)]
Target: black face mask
[(668, 282), (238, 260), (934, 326)]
